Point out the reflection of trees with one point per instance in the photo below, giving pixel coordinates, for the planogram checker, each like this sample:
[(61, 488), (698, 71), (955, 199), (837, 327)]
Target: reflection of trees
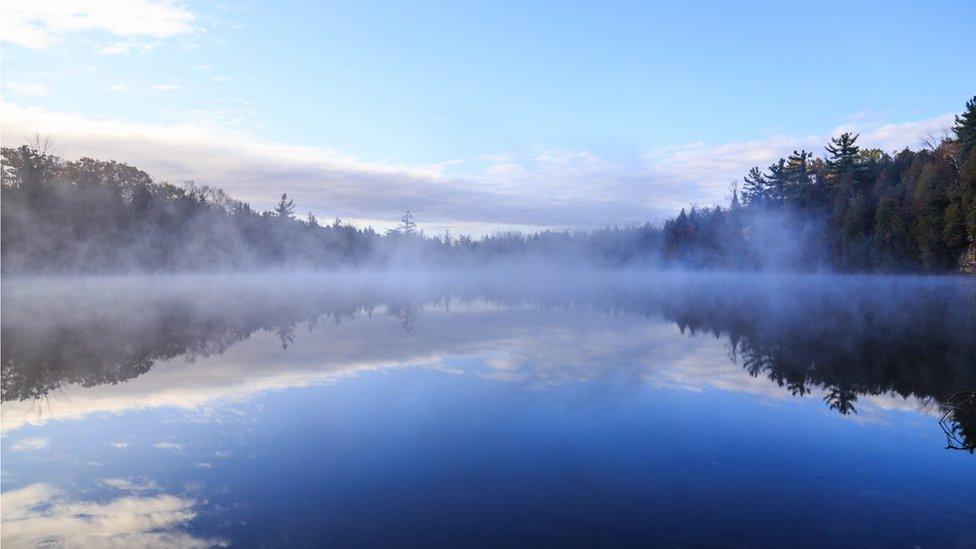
[(406, 313), (286, 335), (845, 336), (911, 338), (840, 400), (931, 355), (959, 421), (42, 353)]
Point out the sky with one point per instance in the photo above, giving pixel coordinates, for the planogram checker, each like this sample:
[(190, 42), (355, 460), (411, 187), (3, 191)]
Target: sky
[(477, 117)]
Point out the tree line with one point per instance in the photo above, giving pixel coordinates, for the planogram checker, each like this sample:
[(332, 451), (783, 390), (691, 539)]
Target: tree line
[(851, 209)]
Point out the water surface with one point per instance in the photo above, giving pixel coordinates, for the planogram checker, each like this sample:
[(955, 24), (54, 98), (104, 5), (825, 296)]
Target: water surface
[(576, 409)]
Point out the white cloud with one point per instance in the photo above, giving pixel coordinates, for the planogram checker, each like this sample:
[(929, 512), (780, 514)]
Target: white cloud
[(898, 136), (532, 188), (30, 444), (41, 514), (116, 48), (118, 88), (130, 484), (167, 87), (32, 89), (38, 24), (167, 446)]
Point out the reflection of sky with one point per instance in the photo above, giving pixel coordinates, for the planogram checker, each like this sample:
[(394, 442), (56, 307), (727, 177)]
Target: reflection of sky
[(526, 346), (41, 514), (479, 420)]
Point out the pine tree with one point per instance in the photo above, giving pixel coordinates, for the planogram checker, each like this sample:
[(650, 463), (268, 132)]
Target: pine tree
[(734, 204), (965, 128), (407, 226), (798, 175), (777, 181), (754, 187), (797, 170), (285, 209), (843, 153)]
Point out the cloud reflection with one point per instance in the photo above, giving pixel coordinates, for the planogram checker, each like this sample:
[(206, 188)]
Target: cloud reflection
[(42, 514)]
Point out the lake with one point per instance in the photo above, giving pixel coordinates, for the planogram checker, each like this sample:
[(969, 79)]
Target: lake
[(487, 409)]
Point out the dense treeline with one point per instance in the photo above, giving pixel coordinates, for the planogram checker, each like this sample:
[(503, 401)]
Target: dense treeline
[(852, 210)]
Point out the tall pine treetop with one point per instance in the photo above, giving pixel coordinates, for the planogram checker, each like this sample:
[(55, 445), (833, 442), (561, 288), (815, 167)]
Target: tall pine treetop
[(965, 127), (843, 153), (285, 209), (754, 187)]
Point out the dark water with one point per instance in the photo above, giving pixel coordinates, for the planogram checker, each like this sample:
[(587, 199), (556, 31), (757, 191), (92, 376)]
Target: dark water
[(613, 409)]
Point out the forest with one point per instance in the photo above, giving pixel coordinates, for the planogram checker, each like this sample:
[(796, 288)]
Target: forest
[(851, 209)]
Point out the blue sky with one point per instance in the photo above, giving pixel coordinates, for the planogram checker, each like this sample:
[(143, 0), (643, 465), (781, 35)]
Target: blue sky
[(478, 117)]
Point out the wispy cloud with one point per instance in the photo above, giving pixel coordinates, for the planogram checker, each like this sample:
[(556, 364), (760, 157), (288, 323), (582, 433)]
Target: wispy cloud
[(168, 87), (128, 46), (32, 89), (130, 484), (168, 446), (29, 444), (38, 24)]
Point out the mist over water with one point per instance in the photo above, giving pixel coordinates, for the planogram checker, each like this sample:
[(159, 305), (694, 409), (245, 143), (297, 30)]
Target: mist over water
[(378, 407)]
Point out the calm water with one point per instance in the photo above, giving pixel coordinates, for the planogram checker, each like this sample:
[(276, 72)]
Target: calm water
[(614, 409)]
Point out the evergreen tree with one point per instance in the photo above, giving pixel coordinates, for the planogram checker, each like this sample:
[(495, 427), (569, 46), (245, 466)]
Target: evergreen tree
[(777, 181), (967, 192), (407, 226), (734, 204), (798, 174), (965, 128), (754, 186), (843, 153), (285, 209)]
